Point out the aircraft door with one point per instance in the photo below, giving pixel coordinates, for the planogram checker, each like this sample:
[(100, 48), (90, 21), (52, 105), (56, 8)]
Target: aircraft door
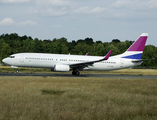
[(22, 58), (22, 63), (121, 63)]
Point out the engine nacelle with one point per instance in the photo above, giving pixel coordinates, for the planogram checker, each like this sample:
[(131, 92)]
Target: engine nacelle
[(62, 68)]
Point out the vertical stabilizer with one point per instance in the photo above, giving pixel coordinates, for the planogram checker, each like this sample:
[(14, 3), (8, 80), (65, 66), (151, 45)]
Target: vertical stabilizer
[(139, 44), (136, 49)]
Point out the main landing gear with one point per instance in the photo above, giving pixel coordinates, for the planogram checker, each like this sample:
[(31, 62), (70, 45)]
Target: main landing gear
[(75, 72)]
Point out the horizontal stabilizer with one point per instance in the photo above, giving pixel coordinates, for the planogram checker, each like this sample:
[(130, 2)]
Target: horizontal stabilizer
[(142, 60)]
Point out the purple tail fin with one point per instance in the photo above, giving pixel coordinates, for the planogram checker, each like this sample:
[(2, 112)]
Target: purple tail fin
[(139, 44), (135, 51)]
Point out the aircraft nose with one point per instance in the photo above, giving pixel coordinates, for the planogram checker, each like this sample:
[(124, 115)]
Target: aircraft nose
[(4, 60)]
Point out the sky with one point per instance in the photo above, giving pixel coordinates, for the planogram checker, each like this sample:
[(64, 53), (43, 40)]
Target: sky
[(103, 20)]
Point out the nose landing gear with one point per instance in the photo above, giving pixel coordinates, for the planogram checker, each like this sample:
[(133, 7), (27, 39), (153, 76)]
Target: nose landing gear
[(17, 71)]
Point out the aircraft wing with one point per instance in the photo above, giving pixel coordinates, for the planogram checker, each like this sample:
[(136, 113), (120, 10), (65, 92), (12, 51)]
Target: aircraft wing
[(85, 64)]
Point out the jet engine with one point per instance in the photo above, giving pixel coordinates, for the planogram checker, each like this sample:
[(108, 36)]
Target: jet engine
[(62, 68)]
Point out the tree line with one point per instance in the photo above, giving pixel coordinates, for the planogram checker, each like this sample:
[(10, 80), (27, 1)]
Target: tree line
[(13, 43)]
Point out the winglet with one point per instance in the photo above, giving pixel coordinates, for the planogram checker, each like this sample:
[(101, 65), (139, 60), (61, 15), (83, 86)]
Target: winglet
[(108, 55), (86, 54)]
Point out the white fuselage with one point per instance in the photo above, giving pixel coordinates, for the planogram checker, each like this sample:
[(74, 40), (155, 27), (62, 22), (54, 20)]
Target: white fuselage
[(41, 60)]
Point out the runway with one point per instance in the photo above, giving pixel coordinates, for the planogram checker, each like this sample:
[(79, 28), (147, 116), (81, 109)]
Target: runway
[(114, 76)]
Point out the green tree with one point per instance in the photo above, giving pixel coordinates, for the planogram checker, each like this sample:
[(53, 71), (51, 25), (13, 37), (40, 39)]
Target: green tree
[(122, 47), (78, 49), (89, 41), (54, 47), (115, 50), (64, 49), (28, 45), (38, 48), (5, 51), (115, 42), (149, 52), (100, 49)]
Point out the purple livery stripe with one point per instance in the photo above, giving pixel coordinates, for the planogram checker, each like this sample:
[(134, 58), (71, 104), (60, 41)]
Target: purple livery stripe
[(138, 44)]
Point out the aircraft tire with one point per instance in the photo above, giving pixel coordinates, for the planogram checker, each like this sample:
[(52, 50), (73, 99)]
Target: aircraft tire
[(75, 73)]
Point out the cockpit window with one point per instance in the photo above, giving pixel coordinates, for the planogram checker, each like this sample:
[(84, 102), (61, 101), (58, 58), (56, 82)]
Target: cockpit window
[(12, 56)]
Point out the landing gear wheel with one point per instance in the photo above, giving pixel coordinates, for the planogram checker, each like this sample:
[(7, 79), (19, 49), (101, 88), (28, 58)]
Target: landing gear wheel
[(75, 72)]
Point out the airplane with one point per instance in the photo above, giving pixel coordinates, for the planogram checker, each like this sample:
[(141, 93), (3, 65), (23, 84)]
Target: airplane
[(65, 63)]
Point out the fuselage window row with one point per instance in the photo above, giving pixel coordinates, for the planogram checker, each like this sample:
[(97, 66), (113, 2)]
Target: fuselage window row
[(67, 60), (40, 58)]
